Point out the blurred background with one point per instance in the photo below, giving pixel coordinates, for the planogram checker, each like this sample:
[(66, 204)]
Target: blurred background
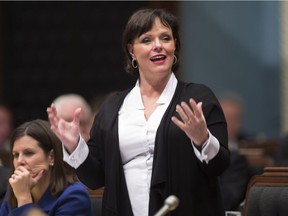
[(52, 48)]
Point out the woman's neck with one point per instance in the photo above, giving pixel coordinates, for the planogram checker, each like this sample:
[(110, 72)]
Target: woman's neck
[(150, 93), (152, 88)]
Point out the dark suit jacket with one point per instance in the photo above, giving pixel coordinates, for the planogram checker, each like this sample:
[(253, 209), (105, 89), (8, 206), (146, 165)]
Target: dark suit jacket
[(176, 169), (281, 157), (4, 171), (74, 200), (234, 182)]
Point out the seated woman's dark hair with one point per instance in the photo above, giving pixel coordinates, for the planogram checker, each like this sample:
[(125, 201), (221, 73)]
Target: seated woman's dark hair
[(61, 173)]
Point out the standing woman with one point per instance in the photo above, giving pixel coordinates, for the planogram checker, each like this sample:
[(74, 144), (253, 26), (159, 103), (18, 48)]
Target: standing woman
[(161, 137), (40, 178)]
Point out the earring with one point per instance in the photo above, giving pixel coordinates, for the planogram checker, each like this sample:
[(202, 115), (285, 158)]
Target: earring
[(134, 63), (175, 60)]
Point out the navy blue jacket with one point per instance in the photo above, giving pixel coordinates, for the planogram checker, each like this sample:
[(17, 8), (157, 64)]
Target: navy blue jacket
[(74, 201)]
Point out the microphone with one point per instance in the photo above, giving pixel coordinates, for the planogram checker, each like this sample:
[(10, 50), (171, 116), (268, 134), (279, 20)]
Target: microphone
[(170, 204)]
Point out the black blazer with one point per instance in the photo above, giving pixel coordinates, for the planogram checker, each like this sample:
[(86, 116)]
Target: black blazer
[(176, 169)]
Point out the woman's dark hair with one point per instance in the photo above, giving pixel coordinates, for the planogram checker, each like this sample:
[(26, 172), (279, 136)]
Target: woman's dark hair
[(142, 21), (61, 173)]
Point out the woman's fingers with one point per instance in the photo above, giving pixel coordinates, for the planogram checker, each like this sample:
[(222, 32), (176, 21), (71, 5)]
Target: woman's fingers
[(188, 113), (192, 121), (53, 117), (77, 116), (197, 108), (67, 132)]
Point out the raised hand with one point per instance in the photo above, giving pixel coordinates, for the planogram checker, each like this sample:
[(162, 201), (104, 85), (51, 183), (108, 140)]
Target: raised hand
[(193, 121), (67, 132)]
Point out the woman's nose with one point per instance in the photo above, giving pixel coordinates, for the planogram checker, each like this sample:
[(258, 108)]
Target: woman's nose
[(20, 161), (157, 45)]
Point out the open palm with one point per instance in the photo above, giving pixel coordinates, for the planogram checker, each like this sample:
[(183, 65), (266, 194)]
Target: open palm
[(67, 132)]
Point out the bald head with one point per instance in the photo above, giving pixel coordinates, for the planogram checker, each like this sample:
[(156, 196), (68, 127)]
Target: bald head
[(67, 104)]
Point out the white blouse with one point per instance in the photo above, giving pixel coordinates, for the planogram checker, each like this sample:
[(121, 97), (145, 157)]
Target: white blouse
[(137, 139)]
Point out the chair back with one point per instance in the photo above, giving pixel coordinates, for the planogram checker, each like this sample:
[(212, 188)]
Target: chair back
[(267, 194), (96, 199)]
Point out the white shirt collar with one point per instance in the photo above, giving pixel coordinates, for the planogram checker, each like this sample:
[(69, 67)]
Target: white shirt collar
[(165, 97)]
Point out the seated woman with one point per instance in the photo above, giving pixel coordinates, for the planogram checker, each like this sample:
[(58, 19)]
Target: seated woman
[(40, 178)]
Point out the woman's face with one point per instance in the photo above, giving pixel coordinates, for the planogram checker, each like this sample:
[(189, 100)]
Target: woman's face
[(26, 152), (154, 50)]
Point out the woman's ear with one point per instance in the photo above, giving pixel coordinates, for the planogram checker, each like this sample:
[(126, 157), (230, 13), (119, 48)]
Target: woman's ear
[(51, 158), (130, 49), (175, 43)]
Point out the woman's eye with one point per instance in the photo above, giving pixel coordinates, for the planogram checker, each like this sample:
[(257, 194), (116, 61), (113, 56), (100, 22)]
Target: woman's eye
[(29, 153), (15, 155), (146, 40), (166, 38)]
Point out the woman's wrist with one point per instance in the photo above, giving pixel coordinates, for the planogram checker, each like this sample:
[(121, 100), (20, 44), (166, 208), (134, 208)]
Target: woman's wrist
[(24, 199), (200, 142)]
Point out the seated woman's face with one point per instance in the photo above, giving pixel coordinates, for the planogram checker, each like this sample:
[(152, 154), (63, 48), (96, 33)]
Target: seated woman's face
[(27, 153)]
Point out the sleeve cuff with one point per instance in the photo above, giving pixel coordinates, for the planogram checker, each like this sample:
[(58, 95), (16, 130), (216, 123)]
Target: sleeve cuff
[(209, 149), (78, 156)]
